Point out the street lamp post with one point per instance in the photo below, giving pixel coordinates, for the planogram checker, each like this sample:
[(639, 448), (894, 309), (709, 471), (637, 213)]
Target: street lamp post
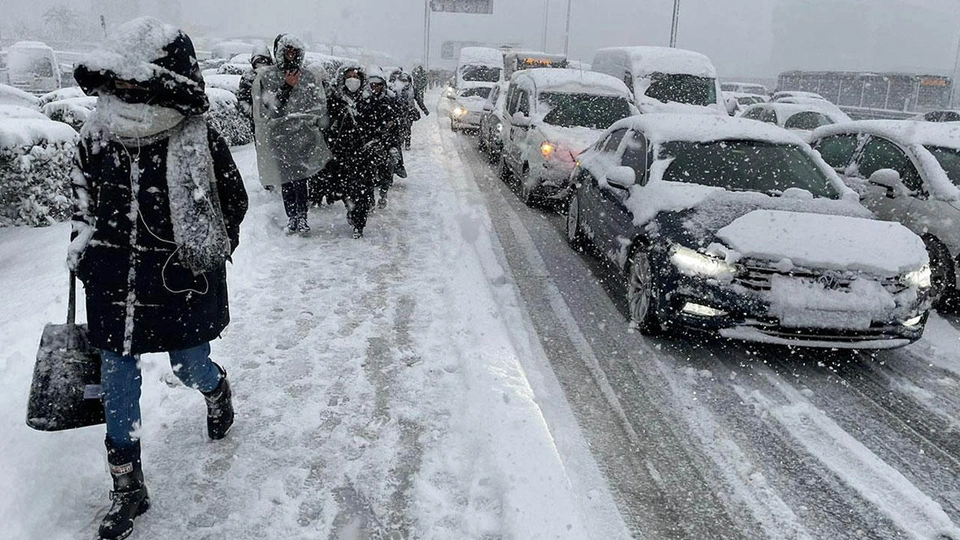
[(426, 34), (566, 34), (676, 20), (546, 19), (955, 81)]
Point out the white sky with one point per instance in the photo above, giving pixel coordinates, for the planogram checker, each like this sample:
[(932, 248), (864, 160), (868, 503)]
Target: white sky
[(745, 38)]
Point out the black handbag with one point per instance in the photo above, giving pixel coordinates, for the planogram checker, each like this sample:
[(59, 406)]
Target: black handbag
[(65, 392)]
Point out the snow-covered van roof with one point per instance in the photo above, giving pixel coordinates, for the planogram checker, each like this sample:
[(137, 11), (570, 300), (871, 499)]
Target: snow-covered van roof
[(647, 60), (572, 80), (666, 127), (485, 56), (31, 45)]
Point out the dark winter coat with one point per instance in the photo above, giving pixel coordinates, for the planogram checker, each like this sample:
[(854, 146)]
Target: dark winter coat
[(173, 309), (140, 298)]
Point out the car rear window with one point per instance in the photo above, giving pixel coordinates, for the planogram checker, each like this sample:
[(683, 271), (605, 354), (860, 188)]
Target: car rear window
[(583, 110), (758, 166), (480, 91), (480, 73), (676, 88), (809, 120)]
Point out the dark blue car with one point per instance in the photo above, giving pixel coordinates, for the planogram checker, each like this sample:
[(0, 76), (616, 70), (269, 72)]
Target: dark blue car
[(735, 226)]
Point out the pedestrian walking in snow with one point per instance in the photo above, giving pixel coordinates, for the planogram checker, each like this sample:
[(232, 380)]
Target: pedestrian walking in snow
[(406, 105), (419, 87), (381, 109), (158, 203), (260, 58), (290, 112)]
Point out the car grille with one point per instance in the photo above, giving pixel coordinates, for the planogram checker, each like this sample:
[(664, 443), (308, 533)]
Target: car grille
[(758, 277)]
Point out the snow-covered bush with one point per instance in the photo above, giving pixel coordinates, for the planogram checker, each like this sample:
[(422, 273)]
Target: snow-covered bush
[(72, 111), (14, 96), (36, 156), (225, 117)]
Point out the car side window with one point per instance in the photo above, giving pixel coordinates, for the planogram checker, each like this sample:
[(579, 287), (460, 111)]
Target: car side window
[(837, 150), (768, 116), (950, 116), (613, 141), (882, 154), (512, 100), (524, 104), (628, 80), (635, 155)]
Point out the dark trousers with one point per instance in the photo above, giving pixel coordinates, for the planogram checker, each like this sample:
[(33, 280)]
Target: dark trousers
[(295, 198), (362, 199)]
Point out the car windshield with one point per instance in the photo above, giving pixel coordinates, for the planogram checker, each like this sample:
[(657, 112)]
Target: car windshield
[(949, 159), (690, 89), (759, 166), (583, 110), (480, 91), (480, 73), (25, 62)]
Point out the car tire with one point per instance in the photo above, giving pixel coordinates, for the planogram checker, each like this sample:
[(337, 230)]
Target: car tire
[(942, 276), (642, 296), (575, 236), (527, 193)]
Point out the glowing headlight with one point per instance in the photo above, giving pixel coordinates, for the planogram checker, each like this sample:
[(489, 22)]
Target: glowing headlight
[(459, 111), (919, 278), (692, 263), (914, 322), (546, 149), (499, 128)]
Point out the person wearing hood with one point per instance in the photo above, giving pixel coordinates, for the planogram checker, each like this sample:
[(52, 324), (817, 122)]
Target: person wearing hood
[(260, 58), (350, 136), (383, 111), (407, 111), (158, 203), (290, 114)]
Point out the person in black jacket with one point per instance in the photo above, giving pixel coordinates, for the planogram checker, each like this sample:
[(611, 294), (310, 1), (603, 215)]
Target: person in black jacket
[(419, 87), (260, 58), (158, 203), (382, 109)]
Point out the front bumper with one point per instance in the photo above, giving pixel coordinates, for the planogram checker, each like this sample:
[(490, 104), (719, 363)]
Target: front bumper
[(745, 315), (470, 120)]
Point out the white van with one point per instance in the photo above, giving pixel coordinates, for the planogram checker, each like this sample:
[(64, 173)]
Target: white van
[(664, 79), (32, 67), (479, 65)]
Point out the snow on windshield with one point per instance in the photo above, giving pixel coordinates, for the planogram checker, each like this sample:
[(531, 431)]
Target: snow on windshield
[(584, 110)]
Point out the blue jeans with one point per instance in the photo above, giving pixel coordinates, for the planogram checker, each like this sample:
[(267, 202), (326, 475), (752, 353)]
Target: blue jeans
[(120, 383)]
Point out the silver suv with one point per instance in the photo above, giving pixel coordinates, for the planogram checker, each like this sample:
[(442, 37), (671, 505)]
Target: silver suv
[(907, 172)]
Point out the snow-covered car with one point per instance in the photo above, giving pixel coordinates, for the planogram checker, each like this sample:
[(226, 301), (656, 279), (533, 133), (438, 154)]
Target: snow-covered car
[(14, 96), (238, 65), (946, 115), (33, 67), (736, 226), (736, 101), (230, 83), (552, 114), (821, 105), (468, 105), (491, 122), (906, 172), (745, 88), (664, 79), (791, 94), (801, 119), (71, 111)]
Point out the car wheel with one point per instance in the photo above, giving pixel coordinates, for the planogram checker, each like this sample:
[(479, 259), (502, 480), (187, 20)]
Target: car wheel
[(526, 190), (942, 275), (575, 235), (503, 170), (642, 294)]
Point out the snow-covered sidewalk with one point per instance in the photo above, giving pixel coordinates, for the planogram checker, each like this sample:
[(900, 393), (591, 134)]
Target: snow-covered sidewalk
[(382, 385)]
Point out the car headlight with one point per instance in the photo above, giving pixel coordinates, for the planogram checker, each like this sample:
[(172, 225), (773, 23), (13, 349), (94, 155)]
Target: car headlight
[(546, 149), (499, 128), (919, 278), (459, 111), (693, 263)]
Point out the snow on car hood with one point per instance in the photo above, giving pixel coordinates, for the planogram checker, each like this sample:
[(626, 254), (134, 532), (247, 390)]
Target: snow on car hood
[(820, 241), (573, 139)]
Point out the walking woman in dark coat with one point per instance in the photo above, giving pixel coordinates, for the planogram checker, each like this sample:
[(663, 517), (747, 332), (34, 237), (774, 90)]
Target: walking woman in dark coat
[(158, 205)]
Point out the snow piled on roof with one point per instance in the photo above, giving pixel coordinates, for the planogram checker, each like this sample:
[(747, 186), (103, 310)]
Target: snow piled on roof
[(826, 241), (573, 81), (661, 128), (31, 132), (481, 55), (130, 51), (647, 60)]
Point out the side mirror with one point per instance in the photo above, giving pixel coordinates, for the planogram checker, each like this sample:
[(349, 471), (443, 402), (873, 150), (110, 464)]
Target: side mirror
[(621, 177), (520, 120), (889, 179)]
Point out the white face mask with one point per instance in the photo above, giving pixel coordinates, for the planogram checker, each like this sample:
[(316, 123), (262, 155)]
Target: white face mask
[(352, 84)]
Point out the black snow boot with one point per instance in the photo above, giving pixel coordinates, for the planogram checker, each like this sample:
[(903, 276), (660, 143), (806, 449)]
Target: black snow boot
[(129, 495), (219, 408)]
